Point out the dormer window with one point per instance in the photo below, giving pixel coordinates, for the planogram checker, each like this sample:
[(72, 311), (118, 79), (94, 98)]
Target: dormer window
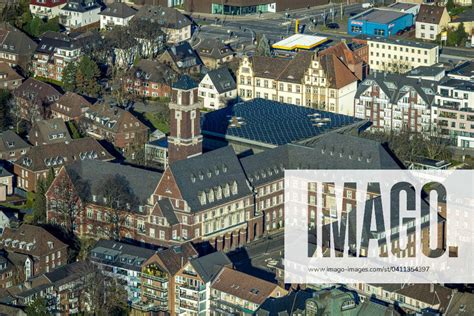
[(234, 188), (226, 190), (210, 196), (202, 198)]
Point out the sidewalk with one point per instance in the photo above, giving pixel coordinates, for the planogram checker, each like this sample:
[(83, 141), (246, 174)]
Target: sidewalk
[(263, 16)]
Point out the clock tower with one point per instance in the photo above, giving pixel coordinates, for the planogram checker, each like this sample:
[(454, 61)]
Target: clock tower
[(185, 139)]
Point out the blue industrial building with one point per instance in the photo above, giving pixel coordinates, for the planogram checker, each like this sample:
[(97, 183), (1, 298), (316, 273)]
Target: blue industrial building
[(379, 22)]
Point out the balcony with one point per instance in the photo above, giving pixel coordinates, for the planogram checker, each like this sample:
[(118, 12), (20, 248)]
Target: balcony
[(154, 287), (189, 307), (185, 296), (149, 307), (155, 297)]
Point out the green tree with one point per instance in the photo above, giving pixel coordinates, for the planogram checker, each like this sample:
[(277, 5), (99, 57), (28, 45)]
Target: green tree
[(51, 25), (457, 36), (450, 5), (38, 308), (69, 77), (461, 34), (87, 75), (33, 27), (5, 97), (263, 47)]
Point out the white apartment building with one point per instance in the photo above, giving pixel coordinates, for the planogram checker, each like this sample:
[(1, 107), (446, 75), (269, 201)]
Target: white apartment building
[(46, 9), (453, 111), (395, 102), (116, 14), (217, 88), (431, 21), (79, 13), (398, 55)]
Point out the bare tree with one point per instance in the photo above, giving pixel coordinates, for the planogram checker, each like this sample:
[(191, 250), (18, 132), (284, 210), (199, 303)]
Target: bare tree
[(119, 199), (65, 200), (149, 35), (397, 66), (101, 295)]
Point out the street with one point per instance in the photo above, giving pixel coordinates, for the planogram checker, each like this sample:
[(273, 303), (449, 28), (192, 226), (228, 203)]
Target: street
[(242, 32)]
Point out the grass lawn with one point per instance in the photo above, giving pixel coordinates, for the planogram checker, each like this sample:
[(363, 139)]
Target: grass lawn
[(157, 121)]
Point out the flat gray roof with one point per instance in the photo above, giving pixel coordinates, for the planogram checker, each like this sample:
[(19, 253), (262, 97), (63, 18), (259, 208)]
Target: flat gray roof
[(379, 16), (402, 6), (397, 41)]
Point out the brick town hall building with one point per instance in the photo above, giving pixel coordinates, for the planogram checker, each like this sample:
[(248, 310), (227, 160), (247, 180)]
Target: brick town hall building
[(215, 198)]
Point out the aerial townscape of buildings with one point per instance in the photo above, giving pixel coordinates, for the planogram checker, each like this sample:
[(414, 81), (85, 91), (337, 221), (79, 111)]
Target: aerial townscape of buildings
[(143, 146)]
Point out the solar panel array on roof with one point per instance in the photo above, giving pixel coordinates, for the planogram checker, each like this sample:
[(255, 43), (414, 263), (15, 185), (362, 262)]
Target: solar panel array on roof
[(272, 122)]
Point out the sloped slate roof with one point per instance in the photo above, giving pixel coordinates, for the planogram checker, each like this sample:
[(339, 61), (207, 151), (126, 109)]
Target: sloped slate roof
[(119, 10), (207, 172), (222, 80), (185, 82), (207, 267), (330, 151), (142, 182), (396, 86), (430, 14)]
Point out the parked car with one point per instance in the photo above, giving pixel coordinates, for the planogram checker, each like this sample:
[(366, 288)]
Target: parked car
[(332, 26), (367, 5)]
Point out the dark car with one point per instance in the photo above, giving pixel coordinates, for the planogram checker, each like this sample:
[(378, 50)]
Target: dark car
[(332, 26)]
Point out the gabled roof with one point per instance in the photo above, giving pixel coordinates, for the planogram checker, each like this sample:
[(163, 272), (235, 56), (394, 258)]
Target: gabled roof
[(337, 73), (330, 151), (92, 172), (44, 157), (50, 41), (430, 14), (9, 140), (75, 103), (9, 73), (183, 55), (81, 6), (243, 286), (50, 131), (222, 80), (67, 273), (37, 91), (113, 118), (185, 82), (152, 71), (432, 294), (15, 41), (214, 48), (396, 86), (119, 10), (174, 258), (165, 17), (40, 241), (209, 266), (287, 70), (206, 174)]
